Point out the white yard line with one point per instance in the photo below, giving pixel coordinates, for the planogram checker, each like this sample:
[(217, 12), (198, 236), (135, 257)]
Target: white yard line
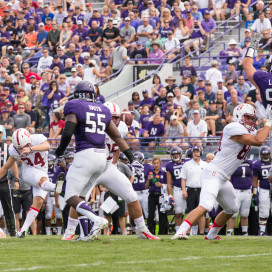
[(136, 262)]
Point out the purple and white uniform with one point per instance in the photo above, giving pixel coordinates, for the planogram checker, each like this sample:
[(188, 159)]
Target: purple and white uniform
[(241, 180), (140, 179), (174, 169), (261, 170), (90, 157)]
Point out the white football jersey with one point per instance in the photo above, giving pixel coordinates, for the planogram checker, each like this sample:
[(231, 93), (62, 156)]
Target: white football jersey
[(230, 154), (35, 159), (111, 146)]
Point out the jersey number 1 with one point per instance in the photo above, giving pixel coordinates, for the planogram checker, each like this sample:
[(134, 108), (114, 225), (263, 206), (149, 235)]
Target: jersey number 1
[(37, 160)]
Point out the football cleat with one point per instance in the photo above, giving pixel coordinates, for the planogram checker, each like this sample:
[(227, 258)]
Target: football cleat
[(20, 234), (216, 238), (144, 233), (99, 225), (68, 235), (180, 236)]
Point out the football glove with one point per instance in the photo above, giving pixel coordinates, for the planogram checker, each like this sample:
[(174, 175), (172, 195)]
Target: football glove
[(171, 201), (255, 41)]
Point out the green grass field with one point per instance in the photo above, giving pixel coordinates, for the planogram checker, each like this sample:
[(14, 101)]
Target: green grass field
[(126, 253)]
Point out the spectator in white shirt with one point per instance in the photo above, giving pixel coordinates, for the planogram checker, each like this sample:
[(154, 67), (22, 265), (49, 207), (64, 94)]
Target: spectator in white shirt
[(197, 128), (213, 74), (261, 24), (73, 80), (44, 62), (181, 100), (170, 45)]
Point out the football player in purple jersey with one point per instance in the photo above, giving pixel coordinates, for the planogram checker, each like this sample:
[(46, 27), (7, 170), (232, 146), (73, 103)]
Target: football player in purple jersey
[(241, 180), (140, 174), (261, 169), (90, 122), (173, 177)]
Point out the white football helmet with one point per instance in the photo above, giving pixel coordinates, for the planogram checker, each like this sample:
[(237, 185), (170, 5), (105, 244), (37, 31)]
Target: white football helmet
[(21, 138), (245, 114), (115, 111)]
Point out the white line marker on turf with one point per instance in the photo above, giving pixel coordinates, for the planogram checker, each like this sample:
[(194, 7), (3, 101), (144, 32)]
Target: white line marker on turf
[(135, 262)]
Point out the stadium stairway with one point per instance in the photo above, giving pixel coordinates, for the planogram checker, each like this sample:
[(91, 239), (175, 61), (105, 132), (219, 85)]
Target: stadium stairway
[(233, 34)]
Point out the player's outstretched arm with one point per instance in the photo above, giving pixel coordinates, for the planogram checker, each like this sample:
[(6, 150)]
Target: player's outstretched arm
[(45, 146), (70, 125), (255, 140), (7, 166), (248, 61)]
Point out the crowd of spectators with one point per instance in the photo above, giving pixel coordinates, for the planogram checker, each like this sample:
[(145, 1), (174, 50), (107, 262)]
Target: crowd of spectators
[(77, 42)]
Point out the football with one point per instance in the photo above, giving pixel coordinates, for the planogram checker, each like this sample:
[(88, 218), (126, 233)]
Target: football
[(126, 117)]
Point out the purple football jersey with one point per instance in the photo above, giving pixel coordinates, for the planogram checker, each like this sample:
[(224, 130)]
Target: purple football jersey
[(175, 171), (51, 175), (92, 121), (264, 82), (261, 170), (139, 178), (242, 178)]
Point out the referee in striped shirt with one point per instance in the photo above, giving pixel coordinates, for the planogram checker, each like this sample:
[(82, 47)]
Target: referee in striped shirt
[(5, 195)]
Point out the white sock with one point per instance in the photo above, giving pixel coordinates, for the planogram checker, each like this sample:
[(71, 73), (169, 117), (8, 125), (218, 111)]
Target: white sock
[(48, 186), (48, 230), (262, 228), (59, 229), (194, 230), (214, 231), (184, 227), (84, 209), (139, 222), (5, 230), (31, 216), (206, 230), (72, 224), (244, 228), (133, 229), (230, 231), (177, 228)]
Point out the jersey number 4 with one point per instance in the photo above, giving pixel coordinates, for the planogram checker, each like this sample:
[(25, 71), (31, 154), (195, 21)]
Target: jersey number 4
[(37, 160)]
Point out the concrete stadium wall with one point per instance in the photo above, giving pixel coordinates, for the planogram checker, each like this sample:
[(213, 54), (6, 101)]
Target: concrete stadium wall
[(126, 75)]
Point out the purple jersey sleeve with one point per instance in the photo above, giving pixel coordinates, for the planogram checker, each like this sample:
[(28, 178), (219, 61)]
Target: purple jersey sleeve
[(92, 122), (264, 82), (242, 178)]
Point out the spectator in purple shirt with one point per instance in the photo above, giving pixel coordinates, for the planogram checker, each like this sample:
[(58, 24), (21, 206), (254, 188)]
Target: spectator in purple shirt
[(128, 10), (154, 131), (96, 17), (156, 53), (77, 58), (231, 7), (58, 63), (144, 118), (4, 39), (81, 32), (209, 25), (54, 95), (188, 69), (147, 100), (197, 38)]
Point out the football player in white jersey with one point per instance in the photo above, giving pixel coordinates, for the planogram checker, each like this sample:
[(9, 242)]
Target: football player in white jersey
[(236, 141), (116, 182), (33, 151)]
